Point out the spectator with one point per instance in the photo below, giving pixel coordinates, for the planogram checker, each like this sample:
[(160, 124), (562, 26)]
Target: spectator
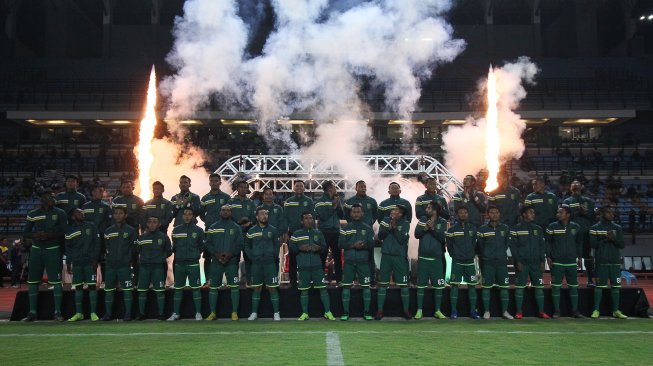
[(17, 258), (632, 224), (4, 261), (642, 219)]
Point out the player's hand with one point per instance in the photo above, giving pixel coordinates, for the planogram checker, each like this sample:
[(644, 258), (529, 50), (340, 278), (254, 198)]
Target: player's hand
[(519, 267), (611, 235), (284, 238), (583, 208), (429, 224), (336, 200), (579, 262), (316, 248), (549, 262), (393, 223)]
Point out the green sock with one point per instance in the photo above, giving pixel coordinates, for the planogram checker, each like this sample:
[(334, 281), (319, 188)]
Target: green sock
[(539, 299), (58, 292), (405, 298), (128, 299), (420, 298), (92, 296), (598, 293), (256, 298), (471, 293), (160, 301), (197, 300), (303, 299), (486, 299), (573, 294), (381, 297), (504, 300), (615, 298), (108, 302), (324, 296), (367, 299), (79, 296), (519, 299), (33, 294), (555, 294), (213, 299), (235, 297), (142, 297), (274, 296), (454, 298), (176, 300), (438, 298), (346, 292)]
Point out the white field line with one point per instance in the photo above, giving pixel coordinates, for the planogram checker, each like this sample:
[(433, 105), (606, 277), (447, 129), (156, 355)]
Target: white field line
[(281, 332), (333, 351)]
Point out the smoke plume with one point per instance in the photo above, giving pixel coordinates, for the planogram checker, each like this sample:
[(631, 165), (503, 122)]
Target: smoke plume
[(465, 145)]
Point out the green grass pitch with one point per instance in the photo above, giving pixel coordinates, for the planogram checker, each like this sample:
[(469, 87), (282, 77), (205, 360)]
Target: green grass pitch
[(319, 342)]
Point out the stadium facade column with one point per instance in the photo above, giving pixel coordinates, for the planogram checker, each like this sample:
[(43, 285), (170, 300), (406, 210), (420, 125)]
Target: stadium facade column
[(536, 21), (107, 20)]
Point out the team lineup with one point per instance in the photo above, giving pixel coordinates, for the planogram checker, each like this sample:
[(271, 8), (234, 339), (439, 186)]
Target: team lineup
[(129, 241)]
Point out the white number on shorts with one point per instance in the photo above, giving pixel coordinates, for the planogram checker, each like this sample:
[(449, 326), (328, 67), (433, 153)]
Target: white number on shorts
[(618, 279), (366, 280), (540, 281), (128, 283), (92, 277), (440, 282), (405, 278), (275, 279), (506, 281), (472, 278), (160, 283), (235, 279)]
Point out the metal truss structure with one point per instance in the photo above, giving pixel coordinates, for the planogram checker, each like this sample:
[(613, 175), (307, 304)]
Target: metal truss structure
[(280, 172)]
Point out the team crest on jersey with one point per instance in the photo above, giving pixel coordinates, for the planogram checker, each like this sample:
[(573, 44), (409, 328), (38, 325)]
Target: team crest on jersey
[(76, 202), (88, 231), (194, 235), (471, 233), (438, 226), (503, 233), (55, 217), (222, 201), (512, 197), (125, 235), (573, 231), (399, 227), (305, 204), (535, 232), (231, 231), (100, 210), (159, 241), (275, 210), (550, 201), (163, 206), (134, 206), (315, 238), (369, 206), (269, 234), (363, 232)]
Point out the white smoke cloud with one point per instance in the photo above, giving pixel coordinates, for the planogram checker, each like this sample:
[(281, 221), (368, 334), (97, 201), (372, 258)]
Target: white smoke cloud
[(312, 61), (465, 145)]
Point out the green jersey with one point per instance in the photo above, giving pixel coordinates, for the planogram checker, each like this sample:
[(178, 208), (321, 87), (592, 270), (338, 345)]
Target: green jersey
[(99, 213), (307, 260), (153, 247), (69, 200), (395, 240), (211, 204), (607, 250), (423, 201), (545, 206), (293, 209), (120, 243), (52, 221), (82, 243), (564, 242), (132, 205), (187, 243), (262, 244), (386, 206), (352, 233), (492, 243), (368, 204), (432, 241)]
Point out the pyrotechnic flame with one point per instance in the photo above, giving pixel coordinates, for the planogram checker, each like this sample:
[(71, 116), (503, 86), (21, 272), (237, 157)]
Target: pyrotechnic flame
[(145, 136), (492, 137)]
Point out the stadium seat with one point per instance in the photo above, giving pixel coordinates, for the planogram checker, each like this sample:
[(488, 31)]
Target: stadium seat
[(629, 277)]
